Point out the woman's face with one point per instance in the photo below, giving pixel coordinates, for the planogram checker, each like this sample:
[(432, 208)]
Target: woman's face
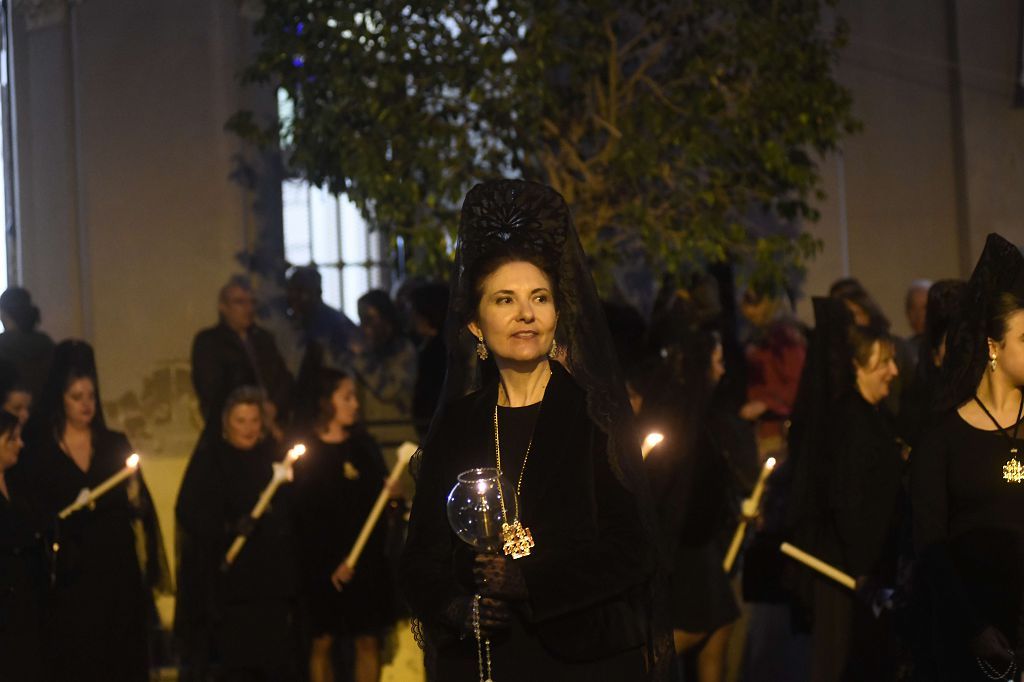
[(10, 446), (374, 326), (1010, 351), (80, 402), (516, 314), (19, 403), (875, 377), (243, 427), (345, 403)]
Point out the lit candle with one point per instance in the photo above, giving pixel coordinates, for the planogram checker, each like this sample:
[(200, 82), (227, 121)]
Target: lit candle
[(89, 497), (405, 452), (750, 509), (818, 565), (282, 473), (652, 440)]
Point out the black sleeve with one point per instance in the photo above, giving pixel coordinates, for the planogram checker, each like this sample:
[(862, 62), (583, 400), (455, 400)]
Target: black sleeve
[(563, 579), (208, 376), (929, 495), (426, 565)]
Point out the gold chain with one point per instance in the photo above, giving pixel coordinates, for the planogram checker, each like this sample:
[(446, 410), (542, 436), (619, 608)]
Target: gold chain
[(497, 457)]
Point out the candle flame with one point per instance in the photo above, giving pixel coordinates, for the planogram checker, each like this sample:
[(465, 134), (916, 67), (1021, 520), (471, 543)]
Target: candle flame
[(481, 487), (650, 441), (132, 461), (770, 463), (298, 451)]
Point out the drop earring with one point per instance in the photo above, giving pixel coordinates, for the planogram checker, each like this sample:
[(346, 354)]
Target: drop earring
[(553, 353), (992, 362), (481, 348)]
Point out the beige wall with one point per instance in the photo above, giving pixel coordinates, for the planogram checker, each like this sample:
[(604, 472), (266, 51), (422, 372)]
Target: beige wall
[(898, 176)]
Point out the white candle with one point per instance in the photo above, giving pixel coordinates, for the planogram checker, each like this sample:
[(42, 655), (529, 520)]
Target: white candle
[(405, 452), (750, 508), (130, 466), (282, 473), (818, 565), (650, 442)]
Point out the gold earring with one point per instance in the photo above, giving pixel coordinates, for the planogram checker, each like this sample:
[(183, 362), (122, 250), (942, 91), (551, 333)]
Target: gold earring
[(553, 353), (992, 362), (481, 348)]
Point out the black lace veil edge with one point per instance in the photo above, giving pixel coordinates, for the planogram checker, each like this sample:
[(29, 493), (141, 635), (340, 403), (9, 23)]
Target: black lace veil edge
[(587, 353)]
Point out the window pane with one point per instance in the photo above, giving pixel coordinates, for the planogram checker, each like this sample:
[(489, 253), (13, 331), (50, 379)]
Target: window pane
[(295, 200), (356, 284), (331, 285), (324, 226)]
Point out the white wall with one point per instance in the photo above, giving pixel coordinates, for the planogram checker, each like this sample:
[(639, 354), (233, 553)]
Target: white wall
[(899, 173)]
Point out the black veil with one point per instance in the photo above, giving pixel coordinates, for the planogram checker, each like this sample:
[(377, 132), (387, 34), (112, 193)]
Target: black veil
[(526, 217), (999, 269)]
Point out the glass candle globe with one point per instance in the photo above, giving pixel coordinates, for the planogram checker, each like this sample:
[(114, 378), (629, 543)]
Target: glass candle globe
[(474, 508)]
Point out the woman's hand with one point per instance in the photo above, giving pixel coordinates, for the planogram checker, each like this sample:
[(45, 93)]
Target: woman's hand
[(494, 616), (342, 575), (497, 576), (753, 410), (991, 645)]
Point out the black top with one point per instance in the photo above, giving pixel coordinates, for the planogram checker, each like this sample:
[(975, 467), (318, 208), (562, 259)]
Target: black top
[(336, 485), (969, 531), (865, 487), (591, 553), (222, 361), (431, 364), (30, 354), (22, 588), (516, 428)]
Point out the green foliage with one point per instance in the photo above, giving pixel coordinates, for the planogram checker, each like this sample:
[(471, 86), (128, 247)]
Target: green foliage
[(690, 125)]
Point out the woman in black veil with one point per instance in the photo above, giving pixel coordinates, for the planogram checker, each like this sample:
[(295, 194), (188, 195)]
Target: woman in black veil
[(111, 556), (532, 376), (967, 484)]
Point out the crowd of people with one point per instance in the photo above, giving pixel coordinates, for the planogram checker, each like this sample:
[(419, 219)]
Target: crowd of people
[(891, 460)]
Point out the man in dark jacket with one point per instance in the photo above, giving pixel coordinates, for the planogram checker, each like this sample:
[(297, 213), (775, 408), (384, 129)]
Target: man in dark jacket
[(237, 352)]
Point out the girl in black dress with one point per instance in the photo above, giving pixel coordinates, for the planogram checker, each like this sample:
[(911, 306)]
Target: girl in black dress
[(336, 484), (101, 606), (967, 484), (554, 418), (22, 569), (235, 622)]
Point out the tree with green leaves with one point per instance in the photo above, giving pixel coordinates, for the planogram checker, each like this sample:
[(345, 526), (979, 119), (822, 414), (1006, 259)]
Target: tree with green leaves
[(687, 131)]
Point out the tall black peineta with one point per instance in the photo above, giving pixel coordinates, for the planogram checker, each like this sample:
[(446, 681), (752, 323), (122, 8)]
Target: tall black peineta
[(998, 275)]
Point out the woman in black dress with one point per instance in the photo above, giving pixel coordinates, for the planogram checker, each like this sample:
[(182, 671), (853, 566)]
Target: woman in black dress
[(101, 606), (336, 484), (235, 622), (692, 482), (967, 484), (22, 569), (575, 606)]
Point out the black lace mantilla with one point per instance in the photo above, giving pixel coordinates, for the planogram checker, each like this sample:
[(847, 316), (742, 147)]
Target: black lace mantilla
[(1000, 269)]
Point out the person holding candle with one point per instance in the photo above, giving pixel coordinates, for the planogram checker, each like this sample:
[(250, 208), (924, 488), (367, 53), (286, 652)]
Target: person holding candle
[(22, 568), (851, 488), (235, 621), (693, 482), (968, 485), (101, 606), (336, 484), (533, 389)]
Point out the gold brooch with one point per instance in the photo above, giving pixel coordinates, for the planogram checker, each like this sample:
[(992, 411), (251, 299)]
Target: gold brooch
[(1013, 471), (351, 473)]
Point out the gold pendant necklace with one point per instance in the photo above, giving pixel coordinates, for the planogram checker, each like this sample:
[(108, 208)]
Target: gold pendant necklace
[(518, 540), (1013, 470)]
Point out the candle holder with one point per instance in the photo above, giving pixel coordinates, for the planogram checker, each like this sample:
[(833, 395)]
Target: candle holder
[(475, 513)]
